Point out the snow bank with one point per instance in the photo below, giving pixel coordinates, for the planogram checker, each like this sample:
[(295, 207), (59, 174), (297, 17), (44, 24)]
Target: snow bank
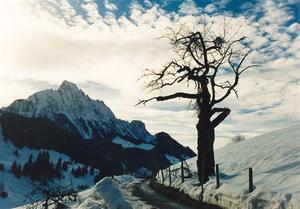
[(125, 179), (89, 204), (89, 199), (110, 192), (275, 159)]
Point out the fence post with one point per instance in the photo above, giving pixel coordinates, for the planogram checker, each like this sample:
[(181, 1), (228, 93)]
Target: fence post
[(182, 173), (251, 187), (162, 175), (217, 176), (170, 180)]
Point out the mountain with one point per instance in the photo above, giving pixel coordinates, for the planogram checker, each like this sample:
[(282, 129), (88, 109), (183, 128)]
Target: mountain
[(70, 122), (71, 109)]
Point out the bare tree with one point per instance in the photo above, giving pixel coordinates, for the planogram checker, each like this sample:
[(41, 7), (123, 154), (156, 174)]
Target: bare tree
[(50, 195), (201, 59)]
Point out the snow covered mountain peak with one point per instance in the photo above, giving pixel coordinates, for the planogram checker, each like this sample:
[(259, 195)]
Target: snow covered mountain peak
[(70, 108), (70, 89), (68, 85)]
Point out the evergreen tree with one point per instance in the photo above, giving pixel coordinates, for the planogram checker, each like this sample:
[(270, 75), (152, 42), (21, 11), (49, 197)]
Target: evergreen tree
[(16, 153), (1, 167), (18, 173), (80, 171), (73, 171), (13, 167), (28, 166), (59, 163), (84, 170), (41, 169), (3, 192), (91, 171), (58, 169), (97, 178), (16, 169), (65, 166)]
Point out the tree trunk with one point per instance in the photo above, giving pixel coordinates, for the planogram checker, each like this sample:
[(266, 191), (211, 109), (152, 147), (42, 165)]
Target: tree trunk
[(206, 136)]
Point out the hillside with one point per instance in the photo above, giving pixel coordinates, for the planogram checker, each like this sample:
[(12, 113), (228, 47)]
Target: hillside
[(275, 159)]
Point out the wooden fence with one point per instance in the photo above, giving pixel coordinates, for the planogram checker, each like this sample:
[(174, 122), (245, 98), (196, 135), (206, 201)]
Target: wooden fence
[(184, 172)]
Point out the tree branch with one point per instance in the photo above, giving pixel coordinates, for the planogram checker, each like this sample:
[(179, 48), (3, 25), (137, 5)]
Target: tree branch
[(172, 96), (237, 73), (224, 113)]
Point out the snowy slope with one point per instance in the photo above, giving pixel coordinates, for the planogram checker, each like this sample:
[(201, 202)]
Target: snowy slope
[(275, 159), (126, 144), (70, 108), (18, 188)]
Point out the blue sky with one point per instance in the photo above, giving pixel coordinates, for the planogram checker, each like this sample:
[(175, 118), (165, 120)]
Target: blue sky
[(104, 46)]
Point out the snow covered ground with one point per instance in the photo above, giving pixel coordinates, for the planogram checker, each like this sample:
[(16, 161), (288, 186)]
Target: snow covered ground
[(275, 159)]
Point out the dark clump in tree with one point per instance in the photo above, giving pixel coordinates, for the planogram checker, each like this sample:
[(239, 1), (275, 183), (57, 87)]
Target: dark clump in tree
[(200, 59)]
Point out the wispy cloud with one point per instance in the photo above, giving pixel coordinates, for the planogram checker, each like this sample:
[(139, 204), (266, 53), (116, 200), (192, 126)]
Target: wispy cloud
[(99, 90), (44, 42), (36, 84)]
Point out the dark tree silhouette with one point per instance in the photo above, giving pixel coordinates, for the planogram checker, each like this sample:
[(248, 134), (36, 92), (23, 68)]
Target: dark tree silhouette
[(16, 169), (50, 195), (1, 167), (201, 58), (3, 192)]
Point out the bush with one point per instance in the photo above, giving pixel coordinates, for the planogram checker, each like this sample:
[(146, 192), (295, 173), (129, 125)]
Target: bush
[(238, 138)]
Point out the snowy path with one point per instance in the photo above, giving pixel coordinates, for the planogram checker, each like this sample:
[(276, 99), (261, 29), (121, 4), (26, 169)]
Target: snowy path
[(156, 199), (140, 195)]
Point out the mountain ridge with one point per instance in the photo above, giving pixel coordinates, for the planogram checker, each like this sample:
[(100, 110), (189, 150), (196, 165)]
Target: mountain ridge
[(71, 109)]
